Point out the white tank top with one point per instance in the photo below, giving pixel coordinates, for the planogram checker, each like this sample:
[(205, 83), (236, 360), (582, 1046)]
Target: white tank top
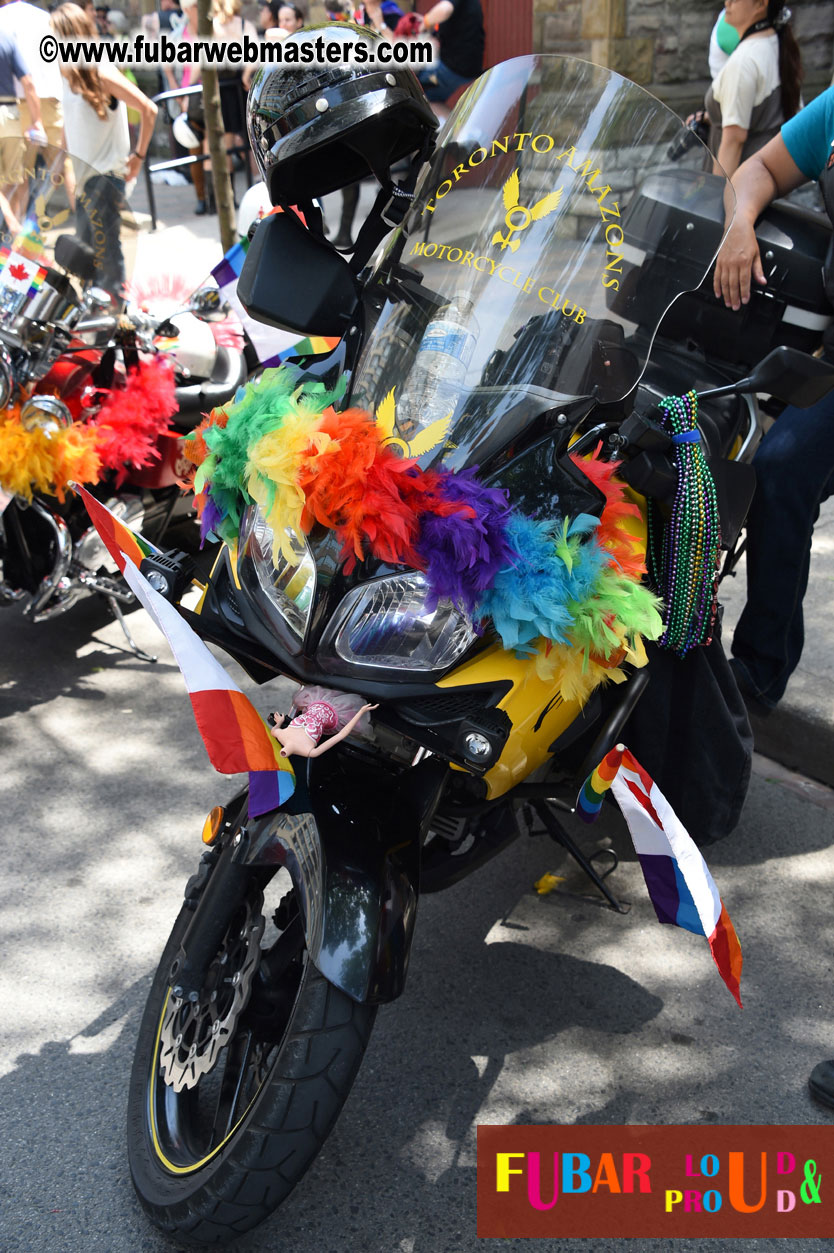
[(103, 143)]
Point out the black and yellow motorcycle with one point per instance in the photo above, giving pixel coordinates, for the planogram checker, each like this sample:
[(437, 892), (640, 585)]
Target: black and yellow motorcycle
[(502, 339)]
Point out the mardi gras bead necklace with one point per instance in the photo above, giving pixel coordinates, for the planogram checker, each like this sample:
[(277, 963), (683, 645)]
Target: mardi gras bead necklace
[(684, 551)]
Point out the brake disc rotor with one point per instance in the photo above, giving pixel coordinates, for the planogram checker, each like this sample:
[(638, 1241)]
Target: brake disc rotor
[(194, 1033)]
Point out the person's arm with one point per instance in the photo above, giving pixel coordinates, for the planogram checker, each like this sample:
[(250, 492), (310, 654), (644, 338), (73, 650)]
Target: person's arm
[(340, 735), (728, 157), (124, 90), (31, 98), (769, 173), (11, 222), (69, 172), (373, 10), (441, 12)]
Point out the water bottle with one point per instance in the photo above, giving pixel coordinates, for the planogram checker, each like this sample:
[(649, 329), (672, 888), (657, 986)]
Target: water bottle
[(439, 370)]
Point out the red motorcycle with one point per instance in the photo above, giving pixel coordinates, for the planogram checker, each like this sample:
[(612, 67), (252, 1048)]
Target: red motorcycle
[(98, 391)]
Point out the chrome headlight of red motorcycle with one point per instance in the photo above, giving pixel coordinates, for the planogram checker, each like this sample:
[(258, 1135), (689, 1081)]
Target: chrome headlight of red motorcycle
[(386, 624), (287, 586), (45, 413)]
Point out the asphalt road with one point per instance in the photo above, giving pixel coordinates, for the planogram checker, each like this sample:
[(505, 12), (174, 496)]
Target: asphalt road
[(517, 1009)]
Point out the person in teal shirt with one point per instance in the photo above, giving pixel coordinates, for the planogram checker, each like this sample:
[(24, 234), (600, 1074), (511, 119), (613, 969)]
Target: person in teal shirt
[(795, 461)]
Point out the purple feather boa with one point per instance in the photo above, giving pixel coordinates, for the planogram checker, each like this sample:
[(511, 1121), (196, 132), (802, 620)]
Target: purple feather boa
[(461, 556), (210, 518)]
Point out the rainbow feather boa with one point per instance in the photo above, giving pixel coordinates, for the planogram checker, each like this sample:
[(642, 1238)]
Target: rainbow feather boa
[(123, 432), (566, 592)]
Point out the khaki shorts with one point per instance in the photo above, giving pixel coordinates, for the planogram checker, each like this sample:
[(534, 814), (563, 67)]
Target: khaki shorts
[(52, 115), (11, 146)]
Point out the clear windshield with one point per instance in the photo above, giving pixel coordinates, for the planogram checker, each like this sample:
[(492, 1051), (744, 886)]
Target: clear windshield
[(64, 226), (524, 276)]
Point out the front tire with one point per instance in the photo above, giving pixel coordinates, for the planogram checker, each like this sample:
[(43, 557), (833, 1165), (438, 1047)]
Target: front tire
[(214, 1159)]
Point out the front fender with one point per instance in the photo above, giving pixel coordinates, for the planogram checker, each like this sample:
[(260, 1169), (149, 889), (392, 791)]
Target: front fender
[(350, 837)]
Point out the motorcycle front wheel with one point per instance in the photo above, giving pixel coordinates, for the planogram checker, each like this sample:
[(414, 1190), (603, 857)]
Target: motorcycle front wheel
[(232, 1097)]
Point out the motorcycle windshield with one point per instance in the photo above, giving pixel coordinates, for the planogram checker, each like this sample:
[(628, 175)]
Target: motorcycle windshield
[(64, 226), (525, 274)]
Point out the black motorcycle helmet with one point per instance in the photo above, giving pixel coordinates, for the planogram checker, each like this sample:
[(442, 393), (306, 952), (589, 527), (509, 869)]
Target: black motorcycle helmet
[(317, 128)]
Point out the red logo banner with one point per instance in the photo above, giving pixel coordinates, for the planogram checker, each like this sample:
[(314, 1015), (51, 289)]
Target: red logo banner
[(751, 1182)]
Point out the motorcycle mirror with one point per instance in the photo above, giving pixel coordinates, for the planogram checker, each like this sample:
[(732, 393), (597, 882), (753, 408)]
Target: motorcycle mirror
[(207, 304), (789, 375), (294, 280), (792, 376), (98, 298)]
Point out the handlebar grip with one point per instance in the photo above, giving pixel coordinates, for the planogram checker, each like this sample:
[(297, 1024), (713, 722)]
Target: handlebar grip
[(107, 323)]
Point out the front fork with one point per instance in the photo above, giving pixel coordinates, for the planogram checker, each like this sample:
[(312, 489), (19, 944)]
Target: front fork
[(350, 839)]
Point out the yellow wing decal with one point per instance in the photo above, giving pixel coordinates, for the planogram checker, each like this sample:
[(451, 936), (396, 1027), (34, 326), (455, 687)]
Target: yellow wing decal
[(510, 191), (40, 210), (431, 437), (386, 415), (545, 205)]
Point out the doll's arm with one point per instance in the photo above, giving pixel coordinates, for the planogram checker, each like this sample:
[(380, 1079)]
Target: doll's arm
[(340, 735)]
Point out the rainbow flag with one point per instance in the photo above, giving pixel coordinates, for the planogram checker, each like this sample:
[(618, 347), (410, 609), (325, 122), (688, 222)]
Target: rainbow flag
[(37, 281), (30, 242), (119, 540), (236, 737), (679, 883)]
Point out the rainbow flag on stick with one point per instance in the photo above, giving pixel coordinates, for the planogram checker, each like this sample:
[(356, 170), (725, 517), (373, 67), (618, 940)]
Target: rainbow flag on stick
[(679, 883), (235, 735), (119, 540)]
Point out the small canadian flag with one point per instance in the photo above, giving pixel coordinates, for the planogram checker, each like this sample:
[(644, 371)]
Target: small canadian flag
[(18, 271)]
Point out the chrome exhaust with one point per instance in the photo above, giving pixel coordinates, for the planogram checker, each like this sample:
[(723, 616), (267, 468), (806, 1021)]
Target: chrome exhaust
[(63, 556)]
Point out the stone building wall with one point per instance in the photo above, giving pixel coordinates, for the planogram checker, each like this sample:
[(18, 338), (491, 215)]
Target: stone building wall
[(662, 44)]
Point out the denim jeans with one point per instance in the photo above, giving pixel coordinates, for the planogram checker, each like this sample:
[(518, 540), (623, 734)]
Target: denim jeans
[(100, 203), (794, 475), (439, 82)]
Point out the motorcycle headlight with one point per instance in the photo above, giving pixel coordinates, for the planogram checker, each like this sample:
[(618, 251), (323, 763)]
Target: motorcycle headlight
[(264, 571), (45, 413), (386, 624)]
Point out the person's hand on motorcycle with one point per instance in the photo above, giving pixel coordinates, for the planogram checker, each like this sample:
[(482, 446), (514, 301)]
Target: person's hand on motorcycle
[(737, 263), (768, 173)]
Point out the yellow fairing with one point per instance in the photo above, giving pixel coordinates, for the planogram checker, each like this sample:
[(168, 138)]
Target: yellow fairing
[(534, 706)]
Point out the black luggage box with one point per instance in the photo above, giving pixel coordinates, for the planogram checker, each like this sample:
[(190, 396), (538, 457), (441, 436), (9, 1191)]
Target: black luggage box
[(682, 213)]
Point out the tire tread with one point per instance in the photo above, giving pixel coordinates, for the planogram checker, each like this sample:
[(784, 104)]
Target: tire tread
[(294, 1114)]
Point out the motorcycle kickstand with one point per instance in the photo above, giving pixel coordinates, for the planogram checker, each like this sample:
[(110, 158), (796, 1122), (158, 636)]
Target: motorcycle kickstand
[(557, 832), (134, 647)]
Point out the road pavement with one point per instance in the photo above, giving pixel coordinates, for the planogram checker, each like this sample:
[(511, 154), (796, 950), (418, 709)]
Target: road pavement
[(517, 1008)]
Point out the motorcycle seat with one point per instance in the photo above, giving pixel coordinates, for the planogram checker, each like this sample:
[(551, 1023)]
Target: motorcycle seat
[(195, 399)]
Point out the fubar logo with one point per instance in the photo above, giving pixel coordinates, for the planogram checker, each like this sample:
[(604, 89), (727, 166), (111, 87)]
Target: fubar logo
[(718, 1180)]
